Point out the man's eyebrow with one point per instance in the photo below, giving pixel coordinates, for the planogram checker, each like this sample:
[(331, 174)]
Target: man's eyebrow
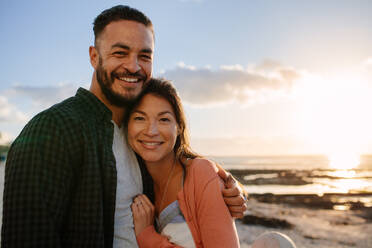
[(120, 45), (123, 46), (146, 50)]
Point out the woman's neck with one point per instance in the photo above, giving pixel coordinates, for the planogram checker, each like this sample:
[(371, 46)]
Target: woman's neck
[(160, 170), (167, 177)]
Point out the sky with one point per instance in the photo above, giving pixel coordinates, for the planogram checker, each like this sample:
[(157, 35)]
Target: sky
[(257, 77)]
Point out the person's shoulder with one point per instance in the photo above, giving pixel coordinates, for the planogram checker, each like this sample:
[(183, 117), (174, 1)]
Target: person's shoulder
[(71, 107), (59, 119), (201, 174), (58, 114), (203, 168)]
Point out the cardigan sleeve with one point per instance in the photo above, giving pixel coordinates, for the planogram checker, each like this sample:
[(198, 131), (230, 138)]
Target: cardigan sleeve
[(216, 226), (149, 238)]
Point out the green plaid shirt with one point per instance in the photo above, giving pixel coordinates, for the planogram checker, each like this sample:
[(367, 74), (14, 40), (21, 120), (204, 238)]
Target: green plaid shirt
[(60, 178)]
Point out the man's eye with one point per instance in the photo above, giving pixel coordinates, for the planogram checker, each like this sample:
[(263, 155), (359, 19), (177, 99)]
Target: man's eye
[(146, 57), (120, 53)]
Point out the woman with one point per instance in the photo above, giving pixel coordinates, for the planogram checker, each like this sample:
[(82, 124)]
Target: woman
[(188, 205)]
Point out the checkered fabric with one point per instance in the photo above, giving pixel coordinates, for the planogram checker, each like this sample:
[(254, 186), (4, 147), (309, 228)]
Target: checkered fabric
[(60, 178)]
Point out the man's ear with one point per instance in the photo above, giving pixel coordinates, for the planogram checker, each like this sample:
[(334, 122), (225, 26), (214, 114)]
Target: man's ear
[(94, 56)]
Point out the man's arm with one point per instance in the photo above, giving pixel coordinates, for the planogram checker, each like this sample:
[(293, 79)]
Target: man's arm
[(36, 186), (234, 194)]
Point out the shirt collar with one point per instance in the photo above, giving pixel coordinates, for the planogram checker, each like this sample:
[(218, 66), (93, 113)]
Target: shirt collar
[(98, 108)]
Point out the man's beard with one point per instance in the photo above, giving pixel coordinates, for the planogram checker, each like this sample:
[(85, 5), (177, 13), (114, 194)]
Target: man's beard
[(106, 81)]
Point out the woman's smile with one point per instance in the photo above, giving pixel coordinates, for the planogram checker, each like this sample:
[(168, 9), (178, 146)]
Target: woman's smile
[(151, 145), (153, 129)]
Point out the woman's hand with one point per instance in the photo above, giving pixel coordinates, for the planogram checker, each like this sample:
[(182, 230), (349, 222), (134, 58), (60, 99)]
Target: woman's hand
[(143, 213)]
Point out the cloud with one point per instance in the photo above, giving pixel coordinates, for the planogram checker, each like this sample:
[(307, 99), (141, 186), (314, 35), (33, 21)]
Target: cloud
[(10, 113), (5, 138), (19, 103), (43, 97), (205, 86)]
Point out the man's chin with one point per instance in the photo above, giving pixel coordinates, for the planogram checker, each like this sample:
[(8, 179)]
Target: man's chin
[(131, 92), (119, 100)]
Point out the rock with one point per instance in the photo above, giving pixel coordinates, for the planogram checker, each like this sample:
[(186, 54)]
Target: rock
[(266, 221)]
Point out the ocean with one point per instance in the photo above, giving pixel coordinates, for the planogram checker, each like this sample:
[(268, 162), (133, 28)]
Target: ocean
[(296, 176), (312, 179), (329, 207)]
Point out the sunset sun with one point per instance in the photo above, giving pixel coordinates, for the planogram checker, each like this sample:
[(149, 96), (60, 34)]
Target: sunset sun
[(343, 161), (333, 118)]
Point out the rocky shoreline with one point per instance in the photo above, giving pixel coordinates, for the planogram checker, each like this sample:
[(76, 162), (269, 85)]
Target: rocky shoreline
[(307, 227), (282, 177), (352, 200), (336, 220)]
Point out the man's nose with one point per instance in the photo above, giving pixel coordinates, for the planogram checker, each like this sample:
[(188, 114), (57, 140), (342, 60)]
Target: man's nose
[(132, 64)]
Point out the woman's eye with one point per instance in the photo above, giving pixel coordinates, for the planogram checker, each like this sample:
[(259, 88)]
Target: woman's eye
[(164, 119), (138, 118)]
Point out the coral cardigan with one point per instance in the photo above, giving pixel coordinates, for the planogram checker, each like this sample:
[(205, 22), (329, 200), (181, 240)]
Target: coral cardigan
[(204, 209)]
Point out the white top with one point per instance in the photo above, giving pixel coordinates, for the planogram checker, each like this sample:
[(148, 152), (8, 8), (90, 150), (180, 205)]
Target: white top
[(179, 234), (173, 225), (129, 184)]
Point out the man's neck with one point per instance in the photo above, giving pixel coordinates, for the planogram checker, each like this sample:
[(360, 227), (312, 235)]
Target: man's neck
[(117, 112)]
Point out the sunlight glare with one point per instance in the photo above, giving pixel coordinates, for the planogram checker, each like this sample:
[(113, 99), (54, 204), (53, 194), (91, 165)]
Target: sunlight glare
[(347, 185), (332, 115), (343, 173), (341, 207), (344, 161)]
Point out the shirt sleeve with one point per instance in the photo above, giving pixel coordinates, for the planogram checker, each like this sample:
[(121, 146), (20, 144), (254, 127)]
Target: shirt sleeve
[(37, 185), (217, 227)]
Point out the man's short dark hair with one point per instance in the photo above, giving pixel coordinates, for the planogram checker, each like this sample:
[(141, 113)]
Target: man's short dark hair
[(117, 13)]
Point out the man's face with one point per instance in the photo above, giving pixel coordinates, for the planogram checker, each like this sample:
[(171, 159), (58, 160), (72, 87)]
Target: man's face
[(125, 52)]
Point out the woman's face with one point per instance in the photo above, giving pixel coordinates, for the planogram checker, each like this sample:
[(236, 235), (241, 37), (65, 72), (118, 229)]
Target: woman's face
[(153, 129)]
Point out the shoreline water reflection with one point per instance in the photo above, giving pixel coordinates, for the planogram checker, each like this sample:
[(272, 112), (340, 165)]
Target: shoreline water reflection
[(311, 176), (298, 177)]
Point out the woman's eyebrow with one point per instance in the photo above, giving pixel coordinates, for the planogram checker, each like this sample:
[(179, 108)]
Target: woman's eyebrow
[(165, 112), (139, 111)]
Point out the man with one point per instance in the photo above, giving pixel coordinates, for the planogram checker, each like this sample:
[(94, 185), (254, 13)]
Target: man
[(70, 177)]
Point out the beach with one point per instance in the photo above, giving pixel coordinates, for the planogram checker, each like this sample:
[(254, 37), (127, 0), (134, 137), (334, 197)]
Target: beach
[(311, 228), (284, 199), (306, 199)]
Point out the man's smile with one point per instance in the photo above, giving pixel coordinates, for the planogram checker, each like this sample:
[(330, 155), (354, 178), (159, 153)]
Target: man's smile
[(129, 80)]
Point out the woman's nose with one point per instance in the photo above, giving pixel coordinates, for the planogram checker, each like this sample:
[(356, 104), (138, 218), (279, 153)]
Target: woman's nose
[(152, 129)]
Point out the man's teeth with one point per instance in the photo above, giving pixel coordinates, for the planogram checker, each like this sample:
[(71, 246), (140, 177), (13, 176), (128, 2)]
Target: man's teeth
[(130, 80)]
